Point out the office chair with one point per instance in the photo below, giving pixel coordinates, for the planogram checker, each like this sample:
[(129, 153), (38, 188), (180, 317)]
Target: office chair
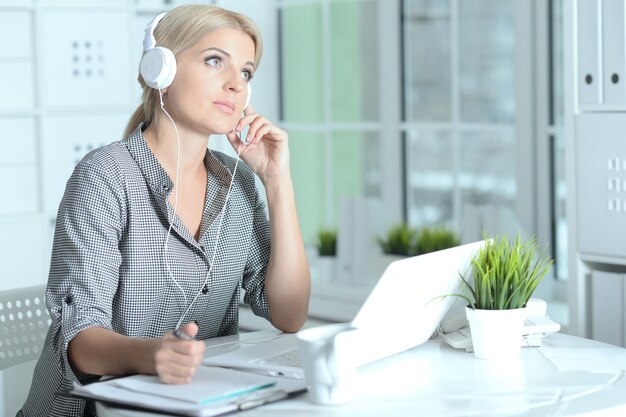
[(24, 322)]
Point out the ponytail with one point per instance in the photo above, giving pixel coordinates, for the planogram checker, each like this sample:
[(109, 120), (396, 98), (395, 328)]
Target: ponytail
[(146, 110), (137, 117)]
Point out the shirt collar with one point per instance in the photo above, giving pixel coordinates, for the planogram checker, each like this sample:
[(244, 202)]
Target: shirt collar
[(153, 171)]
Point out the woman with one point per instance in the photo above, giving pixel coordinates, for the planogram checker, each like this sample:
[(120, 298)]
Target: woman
[(156, 233)]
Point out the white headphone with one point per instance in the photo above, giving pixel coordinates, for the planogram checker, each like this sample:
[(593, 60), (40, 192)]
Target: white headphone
[(158, 64)]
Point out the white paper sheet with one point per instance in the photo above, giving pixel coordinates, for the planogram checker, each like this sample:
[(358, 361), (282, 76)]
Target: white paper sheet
[(209, 384)]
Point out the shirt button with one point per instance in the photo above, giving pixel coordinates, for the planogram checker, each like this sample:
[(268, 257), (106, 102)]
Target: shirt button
[(165, 188), (205, 290), (69, 299), (202, 248)]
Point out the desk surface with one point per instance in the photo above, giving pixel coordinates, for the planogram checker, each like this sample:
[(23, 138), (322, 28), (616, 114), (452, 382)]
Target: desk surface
[(438, 380)]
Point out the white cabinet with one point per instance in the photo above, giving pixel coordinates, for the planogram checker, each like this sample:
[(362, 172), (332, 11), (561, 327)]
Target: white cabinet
[(608, 321), (588, 74), (601, 195), (16, 63), (86, 58), (613, 52), (595, 62), (65, 141), (18, 165), (600, 71), (24, 250)]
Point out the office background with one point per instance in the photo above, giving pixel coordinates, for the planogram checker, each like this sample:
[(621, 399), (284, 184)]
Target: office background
[(454, 113)]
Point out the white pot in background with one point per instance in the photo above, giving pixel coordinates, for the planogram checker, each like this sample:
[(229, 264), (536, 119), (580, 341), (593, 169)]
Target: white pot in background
[(326, 268), (496, 334)]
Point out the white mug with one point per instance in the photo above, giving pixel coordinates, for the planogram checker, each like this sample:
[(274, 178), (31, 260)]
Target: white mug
[(328, 363)]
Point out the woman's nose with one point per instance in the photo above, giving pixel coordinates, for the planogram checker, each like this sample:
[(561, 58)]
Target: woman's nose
[(235, 83)]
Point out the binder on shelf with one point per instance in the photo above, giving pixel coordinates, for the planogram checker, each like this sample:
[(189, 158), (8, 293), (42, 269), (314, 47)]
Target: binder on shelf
[(589, 77), (613, 52), (607, 313)]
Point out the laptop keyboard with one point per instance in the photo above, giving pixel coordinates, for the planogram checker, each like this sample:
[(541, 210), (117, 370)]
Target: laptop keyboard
[(288, 358)]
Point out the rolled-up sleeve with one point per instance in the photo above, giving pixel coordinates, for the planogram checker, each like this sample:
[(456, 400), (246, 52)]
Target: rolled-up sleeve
[(258, 259), (84, 272)]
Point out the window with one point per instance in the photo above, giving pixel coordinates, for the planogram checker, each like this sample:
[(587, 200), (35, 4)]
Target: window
[(331, 106), (557, 139), (460, 114)]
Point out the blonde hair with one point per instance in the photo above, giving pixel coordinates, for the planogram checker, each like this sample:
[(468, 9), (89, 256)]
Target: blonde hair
[(180, 29)]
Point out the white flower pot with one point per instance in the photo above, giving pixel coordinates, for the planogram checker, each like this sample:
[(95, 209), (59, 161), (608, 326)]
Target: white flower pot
[(496, 334), (326, 268)]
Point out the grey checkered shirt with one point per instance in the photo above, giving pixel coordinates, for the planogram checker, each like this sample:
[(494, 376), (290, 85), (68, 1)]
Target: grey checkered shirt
[(108, 267)]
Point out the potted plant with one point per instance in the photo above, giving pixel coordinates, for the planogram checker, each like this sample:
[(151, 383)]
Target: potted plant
[(326, 246), (504, 275), (431, 239), (399, 240), (397, 243)]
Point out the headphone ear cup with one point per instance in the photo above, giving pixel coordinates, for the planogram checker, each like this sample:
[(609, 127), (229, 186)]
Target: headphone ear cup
[(248, 97), (158, 67)]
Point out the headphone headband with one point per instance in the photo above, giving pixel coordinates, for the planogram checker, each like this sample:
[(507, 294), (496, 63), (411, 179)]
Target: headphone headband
[(149, 41)]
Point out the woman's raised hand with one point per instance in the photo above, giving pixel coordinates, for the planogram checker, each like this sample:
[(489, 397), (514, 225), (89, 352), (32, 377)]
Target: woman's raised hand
[(266, 151)]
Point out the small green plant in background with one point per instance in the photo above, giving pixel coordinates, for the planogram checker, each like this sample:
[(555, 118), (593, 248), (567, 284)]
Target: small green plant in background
[(505, 273), (399, 240), (433, 239), (326, 242)]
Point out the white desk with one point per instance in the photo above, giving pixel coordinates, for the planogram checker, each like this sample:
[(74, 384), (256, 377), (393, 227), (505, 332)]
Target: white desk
[(435, 380)]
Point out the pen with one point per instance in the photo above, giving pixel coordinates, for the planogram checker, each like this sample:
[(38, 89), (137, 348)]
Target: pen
[(182, 335), (269, 398)]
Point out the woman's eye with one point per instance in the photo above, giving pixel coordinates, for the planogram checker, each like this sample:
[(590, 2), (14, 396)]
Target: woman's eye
[(246, 75), (213, 61)]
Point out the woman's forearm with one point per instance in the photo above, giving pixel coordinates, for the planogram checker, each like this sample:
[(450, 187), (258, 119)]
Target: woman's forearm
[(100, 351), (288, 282)]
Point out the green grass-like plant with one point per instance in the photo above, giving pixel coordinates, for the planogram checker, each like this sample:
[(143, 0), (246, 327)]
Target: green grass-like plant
[(505, 273), (434, 239), (326, 242), (399, 240)]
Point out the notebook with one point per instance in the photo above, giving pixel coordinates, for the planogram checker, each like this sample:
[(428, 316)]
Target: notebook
[(214, 391), (402, 311)]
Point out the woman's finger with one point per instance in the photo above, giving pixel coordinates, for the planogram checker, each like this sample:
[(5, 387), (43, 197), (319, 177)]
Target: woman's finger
[(254, 127), (176, 374), (187, 349), (246, 121), (264, 130), (234, 140)]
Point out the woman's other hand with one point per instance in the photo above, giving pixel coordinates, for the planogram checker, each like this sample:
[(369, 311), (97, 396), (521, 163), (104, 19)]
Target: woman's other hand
[(177, 358), (266, 151)]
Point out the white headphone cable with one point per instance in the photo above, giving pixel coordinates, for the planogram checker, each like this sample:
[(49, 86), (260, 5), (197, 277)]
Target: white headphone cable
[(217, 237), (169, 230), (171, 220)]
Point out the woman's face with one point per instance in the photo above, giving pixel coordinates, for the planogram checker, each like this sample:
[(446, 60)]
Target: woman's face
[(210, 88)]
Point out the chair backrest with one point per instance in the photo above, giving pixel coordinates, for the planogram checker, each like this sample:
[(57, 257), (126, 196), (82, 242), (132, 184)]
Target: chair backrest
[(24, 322)]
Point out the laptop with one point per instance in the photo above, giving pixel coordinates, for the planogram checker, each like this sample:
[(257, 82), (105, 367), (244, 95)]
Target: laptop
[(402, 311)]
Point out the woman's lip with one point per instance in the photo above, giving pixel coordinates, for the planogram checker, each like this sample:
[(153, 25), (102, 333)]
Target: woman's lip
[(225, 106)]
